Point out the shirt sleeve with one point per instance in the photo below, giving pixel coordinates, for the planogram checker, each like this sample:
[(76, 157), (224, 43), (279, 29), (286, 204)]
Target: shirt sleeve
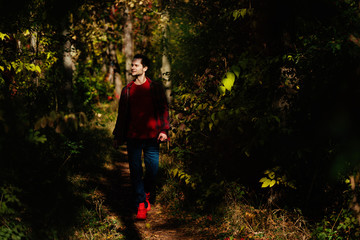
[(120, 126)]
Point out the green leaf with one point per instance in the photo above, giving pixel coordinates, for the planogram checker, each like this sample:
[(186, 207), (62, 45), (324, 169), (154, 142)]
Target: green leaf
[(213, 117), (236, 70), (35, 137), (243, 12), (277, 119), (202, 126), (236, 14)]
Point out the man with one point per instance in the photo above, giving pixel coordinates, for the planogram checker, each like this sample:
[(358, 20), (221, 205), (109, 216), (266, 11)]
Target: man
[(143, 122)]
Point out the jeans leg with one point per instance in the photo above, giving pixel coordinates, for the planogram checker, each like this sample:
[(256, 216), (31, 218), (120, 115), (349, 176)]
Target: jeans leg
[(134, 148), (151, 159)]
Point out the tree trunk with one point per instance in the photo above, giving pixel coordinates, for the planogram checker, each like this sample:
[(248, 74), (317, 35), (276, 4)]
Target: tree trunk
[(128, 44), (118, 86), (166, 67), (111, 64), (354, 180), (34, 47), (114, 71), (68, 71)]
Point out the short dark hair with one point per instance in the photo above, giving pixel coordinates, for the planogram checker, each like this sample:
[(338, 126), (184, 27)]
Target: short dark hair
[(144, 60)]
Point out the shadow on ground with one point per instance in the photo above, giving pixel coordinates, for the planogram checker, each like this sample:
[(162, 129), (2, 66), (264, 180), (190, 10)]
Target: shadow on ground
[(116, 187)]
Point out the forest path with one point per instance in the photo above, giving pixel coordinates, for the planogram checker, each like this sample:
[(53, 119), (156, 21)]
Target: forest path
[(116, 187)]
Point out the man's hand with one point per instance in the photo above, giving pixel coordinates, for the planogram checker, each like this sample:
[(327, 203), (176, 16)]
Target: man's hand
[(162, 137)]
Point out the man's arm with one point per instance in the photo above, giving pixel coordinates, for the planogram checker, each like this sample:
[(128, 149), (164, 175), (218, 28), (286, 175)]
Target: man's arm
[(120, 121)]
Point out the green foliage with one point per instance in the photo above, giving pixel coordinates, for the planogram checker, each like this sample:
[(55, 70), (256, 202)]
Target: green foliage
[(338, 225), (35, 137), (270, 95), (42, 144), (179, 173), (273, 178), (242, 12), (10, 206)]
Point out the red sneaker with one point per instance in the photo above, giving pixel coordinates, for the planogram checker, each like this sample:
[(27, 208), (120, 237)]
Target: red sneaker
[(148, 207), (141, 214), (148, 201)]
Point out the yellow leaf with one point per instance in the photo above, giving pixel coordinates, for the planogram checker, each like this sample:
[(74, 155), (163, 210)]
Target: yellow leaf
[(265, 184), (3, 36), (263, 179), (222, 90), (228, 81), (38, 69), (210, 126), (213, 117), (175, 172), (272, 183), (243, 12)]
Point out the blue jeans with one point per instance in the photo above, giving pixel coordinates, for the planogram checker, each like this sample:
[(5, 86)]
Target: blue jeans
[(150, 147)]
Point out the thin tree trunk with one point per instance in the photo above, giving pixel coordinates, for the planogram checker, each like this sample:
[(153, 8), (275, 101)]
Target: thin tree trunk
[(118, 85), (166, 66), (114, 69), (111, 65), (34, 48), (69, 69), (354, 180), (128, 44)]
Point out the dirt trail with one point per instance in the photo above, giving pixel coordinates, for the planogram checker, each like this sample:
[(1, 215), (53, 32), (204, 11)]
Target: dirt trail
[(116, 187)]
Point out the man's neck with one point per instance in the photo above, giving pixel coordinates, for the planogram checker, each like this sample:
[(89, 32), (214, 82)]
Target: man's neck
[(140, 80)]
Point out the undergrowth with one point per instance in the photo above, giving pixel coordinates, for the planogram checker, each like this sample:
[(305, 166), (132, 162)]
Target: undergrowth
[(49, 182), (240, 215)]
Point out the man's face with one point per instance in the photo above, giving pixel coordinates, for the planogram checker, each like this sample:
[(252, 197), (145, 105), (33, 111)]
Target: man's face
[(137, 69)]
